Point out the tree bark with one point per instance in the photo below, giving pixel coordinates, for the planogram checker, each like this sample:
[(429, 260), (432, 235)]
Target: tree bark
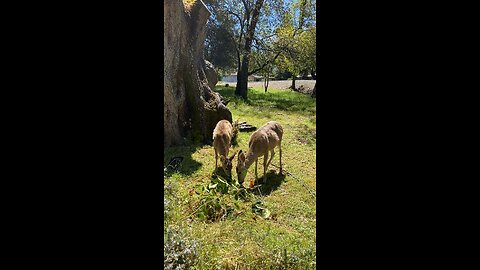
[(242, 78), (266, 81), (191, 108), (242, 75), (212, 76)]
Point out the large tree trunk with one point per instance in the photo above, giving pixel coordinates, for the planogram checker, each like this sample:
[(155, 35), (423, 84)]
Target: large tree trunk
[(242, 78), (191, 108), (242, 75)]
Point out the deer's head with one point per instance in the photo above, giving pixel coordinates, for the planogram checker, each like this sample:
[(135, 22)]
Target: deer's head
[(241, 168), (227, 164)]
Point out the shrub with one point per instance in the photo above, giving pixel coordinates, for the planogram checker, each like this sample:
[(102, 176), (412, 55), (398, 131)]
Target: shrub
[(179, 252), (212, 205)]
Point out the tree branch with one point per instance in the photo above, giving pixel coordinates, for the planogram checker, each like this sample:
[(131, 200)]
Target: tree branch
[(236, 15), (265, 64)]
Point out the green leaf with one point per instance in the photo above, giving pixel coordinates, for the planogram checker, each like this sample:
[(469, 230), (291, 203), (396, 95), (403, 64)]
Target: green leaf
[(266, 213), (221, 180), (212, 186)]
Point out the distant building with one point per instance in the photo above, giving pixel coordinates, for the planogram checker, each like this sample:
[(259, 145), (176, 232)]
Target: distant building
[(230, 78)]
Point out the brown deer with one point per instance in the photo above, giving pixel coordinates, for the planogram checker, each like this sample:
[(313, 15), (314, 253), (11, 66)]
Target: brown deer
[(265, 139), (222, 140)]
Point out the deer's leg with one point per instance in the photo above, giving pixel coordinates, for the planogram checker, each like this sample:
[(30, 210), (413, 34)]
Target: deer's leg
[(271, 157), (256, 175), (280, 150), (265, 157), (216, 157)]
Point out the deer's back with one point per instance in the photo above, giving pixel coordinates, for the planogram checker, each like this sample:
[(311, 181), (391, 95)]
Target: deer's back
[(266, 137), (222, 135)]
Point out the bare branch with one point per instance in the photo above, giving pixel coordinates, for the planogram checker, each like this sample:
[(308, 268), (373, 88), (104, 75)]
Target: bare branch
[(236, 15), (265, 64)]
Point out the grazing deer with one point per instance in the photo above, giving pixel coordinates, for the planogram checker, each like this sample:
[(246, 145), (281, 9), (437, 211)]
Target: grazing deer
[(265, 139), (222, 139)]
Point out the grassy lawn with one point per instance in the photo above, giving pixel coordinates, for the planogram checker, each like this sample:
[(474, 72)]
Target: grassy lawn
[(245, 240)]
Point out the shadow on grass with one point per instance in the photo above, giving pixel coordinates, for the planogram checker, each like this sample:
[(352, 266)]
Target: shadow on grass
[(274, 180), (188, 165), (220, 172), (284, 100)]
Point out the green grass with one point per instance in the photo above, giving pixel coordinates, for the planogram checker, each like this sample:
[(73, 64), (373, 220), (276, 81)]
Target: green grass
[(247, 241)]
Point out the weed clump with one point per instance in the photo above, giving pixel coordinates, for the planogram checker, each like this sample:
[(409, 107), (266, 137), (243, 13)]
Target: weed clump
[(220, 199), (212, 205), (179, 252)]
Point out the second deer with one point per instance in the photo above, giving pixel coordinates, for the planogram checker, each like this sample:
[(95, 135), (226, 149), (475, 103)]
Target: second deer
[(223, 135), (265, 139)]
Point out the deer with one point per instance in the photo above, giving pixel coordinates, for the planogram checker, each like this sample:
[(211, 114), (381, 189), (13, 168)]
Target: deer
[(223, 135), (263, 140)]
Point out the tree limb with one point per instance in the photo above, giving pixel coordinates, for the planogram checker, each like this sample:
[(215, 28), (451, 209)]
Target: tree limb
[(236, 15), (265, 64)]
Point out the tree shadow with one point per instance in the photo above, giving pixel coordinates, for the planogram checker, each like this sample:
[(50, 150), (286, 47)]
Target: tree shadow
[(220, 172), (274, 180), (188, 165), (285, 101)]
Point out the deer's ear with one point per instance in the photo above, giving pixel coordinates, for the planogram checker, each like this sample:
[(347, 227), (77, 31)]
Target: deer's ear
[(241, 156)]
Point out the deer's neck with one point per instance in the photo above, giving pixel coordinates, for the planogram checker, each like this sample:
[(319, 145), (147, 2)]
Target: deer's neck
[(250, 158)]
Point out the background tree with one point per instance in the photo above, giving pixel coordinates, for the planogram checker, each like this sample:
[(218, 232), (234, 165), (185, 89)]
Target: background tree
[(248, 23), (262, 32), (262, 58), (251, 25), (297, 37), (220, 45)]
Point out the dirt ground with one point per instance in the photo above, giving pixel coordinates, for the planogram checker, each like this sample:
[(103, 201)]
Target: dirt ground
[(276, 84)]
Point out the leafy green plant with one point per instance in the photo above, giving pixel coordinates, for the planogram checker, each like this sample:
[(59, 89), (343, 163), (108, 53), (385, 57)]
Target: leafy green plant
[(258, 207), (220, 199), (179, 252), (214, 201)]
